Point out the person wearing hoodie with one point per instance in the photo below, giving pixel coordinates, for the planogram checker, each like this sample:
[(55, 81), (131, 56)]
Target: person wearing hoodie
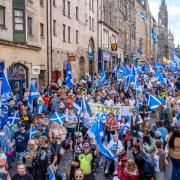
[(130, 172), (174, 153)]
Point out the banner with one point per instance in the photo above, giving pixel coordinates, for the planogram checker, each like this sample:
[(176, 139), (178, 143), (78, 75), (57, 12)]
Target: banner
[(116, 110)]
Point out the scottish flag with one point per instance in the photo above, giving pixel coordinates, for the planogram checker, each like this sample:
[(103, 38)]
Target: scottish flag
[(151, 69), (138, 85), (160, 78), (6, 95), (119, 77), (77, 108), (15, 118), (154, 102), (123, 130), (33, 131), (85, 106), (121, 69), (58, 118), (69, 80), (103, 77), (115, 70), (127, 71), (33, 94), (154, 37), (98, 130), (51, 174), (127, 82), (143, 17)]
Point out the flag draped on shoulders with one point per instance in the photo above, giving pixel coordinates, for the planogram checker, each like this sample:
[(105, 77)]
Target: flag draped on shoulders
[(69, 80)]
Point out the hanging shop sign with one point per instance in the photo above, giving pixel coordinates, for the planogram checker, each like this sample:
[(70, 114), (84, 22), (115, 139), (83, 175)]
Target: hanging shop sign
[(36, 70)]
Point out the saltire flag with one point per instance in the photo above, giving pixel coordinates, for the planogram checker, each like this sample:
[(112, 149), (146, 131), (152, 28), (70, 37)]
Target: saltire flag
[(127, 82), (103, 76), (151, 69), (127, 71), (119, 77), (121, 69), (123, 130), (154, 102), (98, 130), (138, 85), (33, 94), (85, 106), (6, 95), (160, 78), (51, 174), (77, 108), (14, 118), (154, 37), (33, 131), (58, 118), (143, 17), (69, 80), (115, 70)]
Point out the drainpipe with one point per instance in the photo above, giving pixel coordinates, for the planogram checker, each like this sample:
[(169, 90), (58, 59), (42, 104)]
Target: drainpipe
[(47, 29), (51, 37)]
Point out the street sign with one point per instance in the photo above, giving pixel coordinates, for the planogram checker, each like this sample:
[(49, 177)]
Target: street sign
[(114, 47)]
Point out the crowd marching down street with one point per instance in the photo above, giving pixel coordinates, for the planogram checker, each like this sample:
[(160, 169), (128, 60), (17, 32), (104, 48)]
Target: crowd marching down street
[(127, 119)]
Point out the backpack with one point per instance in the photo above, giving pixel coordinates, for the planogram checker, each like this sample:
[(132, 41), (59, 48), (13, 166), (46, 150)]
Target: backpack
[(149, 165)]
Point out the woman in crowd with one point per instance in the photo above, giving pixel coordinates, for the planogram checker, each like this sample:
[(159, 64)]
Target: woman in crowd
[(174, 153)]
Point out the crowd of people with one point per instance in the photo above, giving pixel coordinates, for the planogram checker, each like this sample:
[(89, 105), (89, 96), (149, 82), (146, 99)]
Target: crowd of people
[(144, 144)]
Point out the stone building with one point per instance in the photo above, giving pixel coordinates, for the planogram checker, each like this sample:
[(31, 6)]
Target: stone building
[(73, 27), (171, 44), (110, 22), (23, 42), (163, 48), (145, 46)]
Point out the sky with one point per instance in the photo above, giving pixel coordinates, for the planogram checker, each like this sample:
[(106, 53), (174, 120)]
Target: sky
[(174, 16)]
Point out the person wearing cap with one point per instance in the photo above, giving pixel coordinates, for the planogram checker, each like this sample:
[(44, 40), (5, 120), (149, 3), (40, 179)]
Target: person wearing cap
[(85, 161), (20, 141)]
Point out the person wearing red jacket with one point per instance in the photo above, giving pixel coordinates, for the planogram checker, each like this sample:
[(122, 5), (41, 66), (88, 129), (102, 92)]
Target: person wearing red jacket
[(128, 172)]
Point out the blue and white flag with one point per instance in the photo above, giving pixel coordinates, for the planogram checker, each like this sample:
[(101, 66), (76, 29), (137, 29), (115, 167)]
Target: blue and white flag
[(138, 85), (127, 82), (127, 71), (69, 80), (33, 94), (154, 37), (77, 108), (58, 118), (151, 69), (103, 76), (6, 95), (160, 78), (98, 130), (143, 17), (119, 77), (154, 102), (14, 118), (121, 69), (123, 130), (115, 70), (33, 131), (85, 106), (51, 174)]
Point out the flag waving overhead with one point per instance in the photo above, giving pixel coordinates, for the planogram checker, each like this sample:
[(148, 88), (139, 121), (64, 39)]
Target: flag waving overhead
[(98, 130), (154, 37), (34, 94), (69, 80), (33, 131), (85, 106), (154, 102), (6, 95), (58, 118), (103, 76), (14, 118)]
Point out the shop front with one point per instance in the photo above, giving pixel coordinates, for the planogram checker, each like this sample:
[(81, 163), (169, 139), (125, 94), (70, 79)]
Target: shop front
[(18, 79)]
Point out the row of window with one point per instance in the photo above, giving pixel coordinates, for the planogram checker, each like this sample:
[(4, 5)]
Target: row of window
[(68, 29)]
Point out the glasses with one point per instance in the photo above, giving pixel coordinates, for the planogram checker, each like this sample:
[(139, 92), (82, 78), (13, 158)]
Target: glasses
[(78, 176), (86, 147)]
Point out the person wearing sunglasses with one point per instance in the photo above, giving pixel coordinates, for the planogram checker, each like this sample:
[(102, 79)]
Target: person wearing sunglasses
[(79, 174)]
